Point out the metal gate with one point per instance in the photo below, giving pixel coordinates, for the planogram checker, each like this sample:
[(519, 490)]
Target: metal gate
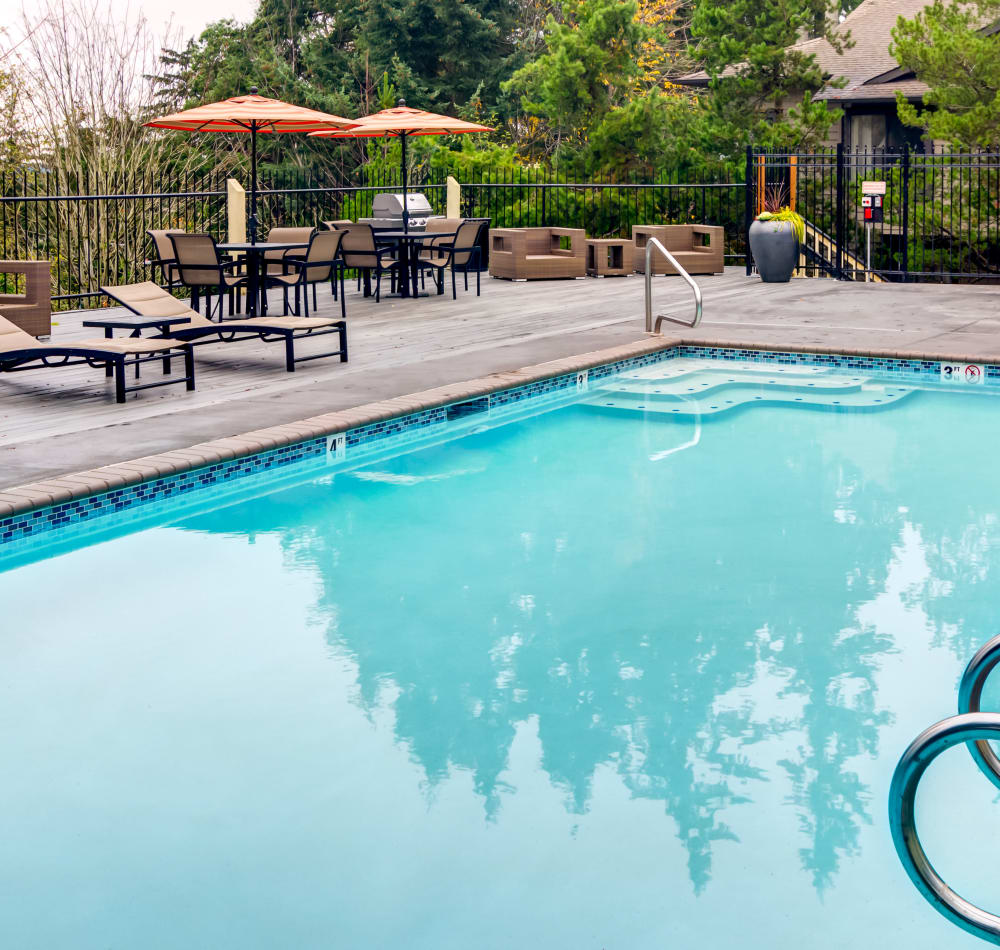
[(941, 211)]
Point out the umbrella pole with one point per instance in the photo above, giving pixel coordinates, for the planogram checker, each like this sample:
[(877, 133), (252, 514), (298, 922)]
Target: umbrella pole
[(406, 210), (253, 182)]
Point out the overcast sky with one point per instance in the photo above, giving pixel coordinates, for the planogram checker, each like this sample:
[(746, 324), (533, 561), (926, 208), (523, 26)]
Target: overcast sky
[(190, 16)]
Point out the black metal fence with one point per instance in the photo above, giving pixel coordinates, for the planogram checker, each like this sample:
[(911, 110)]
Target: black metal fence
[(941, 212), (940, 220), (93, 230), (529, 197)]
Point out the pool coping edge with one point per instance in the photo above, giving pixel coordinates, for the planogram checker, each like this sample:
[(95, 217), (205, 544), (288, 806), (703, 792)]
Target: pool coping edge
[(73, 486)]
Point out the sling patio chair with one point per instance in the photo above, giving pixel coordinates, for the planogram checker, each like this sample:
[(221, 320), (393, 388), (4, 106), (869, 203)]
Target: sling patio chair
[(20, 351), (359, 251), (459, 254), (149, 300), (273, 259), (320, 263), (164, 250), (200, 266)]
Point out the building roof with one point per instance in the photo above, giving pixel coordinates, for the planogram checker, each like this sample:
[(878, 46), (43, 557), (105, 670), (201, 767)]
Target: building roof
[(870, 71)]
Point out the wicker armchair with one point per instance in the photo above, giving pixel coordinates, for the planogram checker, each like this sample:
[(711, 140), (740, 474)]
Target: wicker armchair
[(698, 248), (537, 253), (30, 311)]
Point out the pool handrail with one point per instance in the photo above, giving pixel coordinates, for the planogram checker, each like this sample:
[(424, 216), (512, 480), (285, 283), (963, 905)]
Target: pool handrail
[(967, 728), (970, 693), (654, 244)]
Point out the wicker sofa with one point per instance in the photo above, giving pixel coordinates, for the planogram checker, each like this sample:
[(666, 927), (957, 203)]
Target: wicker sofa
[(537, 253), (698, 248)]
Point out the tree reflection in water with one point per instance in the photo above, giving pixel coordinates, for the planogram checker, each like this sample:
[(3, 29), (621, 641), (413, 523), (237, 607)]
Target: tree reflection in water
[(661, 618)]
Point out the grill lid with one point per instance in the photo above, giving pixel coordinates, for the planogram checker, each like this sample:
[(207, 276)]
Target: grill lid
[(391, 205)]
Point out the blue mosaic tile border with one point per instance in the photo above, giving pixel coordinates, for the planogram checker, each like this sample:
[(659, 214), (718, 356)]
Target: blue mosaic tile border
[(152, 496)]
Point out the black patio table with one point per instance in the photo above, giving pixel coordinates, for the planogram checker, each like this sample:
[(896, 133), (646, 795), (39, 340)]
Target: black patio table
[(407, 259), (255, 254)]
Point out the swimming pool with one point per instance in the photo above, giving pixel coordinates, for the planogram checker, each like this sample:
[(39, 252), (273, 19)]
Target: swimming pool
[(633, 671)]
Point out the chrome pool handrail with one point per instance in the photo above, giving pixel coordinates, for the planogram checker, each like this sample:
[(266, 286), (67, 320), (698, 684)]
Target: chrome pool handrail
[(652, 244), (970, 693), (967, 728)]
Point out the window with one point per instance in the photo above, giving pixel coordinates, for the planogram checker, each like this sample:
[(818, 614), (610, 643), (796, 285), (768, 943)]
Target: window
[(868, 131)]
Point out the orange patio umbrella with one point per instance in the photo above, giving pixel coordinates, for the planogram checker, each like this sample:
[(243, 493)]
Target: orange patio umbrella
[(403, 122), (251, 114)]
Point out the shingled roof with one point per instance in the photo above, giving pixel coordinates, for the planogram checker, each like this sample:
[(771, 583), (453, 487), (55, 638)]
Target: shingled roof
[(870, 72)]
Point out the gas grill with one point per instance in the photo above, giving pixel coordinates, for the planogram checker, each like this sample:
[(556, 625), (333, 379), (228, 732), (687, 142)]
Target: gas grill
[(387, 212)]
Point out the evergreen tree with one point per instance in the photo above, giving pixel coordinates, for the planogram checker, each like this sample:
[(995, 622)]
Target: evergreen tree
[(761, 88), (954, 48)]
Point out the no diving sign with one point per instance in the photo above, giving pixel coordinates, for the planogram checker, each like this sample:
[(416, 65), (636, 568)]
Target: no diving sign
[(973, 374)]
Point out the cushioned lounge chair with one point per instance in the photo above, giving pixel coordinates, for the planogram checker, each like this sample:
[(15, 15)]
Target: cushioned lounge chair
[(21, 351), (149, 300)]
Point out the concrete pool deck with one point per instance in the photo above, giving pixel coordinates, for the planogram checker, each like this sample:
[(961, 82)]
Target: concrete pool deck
[(56, 422)]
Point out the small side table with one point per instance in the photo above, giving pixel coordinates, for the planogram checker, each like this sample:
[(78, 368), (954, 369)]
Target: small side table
[(135, 323), (609, 257)]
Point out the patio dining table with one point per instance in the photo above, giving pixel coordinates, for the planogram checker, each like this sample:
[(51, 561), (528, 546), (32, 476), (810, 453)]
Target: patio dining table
[(408, 259), (255, 252)]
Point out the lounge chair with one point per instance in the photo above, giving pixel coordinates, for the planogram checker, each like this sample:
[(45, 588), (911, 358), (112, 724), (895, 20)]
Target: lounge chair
[(149, 300), (537, 253), (20, 351)]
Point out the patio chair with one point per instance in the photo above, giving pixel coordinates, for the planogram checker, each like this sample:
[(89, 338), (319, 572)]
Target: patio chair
[(462, 252), (273, 259), (337, 225), (319, 264), (698, 248), (359, 251), (163, 250), (538, 253), (20, 351), (149, 300), (200, 267)]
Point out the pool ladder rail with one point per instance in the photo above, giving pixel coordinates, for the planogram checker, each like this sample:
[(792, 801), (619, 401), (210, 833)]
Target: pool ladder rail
[(654, 244), (974, 728)]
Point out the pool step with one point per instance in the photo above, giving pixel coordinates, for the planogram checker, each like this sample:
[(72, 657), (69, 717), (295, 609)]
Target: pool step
[(865, 396), (699, 383), (687, 366)]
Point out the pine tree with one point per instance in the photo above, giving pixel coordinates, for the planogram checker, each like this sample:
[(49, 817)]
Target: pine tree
[(954, 48)]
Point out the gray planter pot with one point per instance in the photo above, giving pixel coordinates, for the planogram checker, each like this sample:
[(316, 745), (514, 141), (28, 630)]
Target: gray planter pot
[(775, 250)]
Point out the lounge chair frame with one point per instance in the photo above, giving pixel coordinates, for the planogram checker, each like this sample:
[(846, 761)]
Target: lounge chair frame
[(115, 364), (255, 328)]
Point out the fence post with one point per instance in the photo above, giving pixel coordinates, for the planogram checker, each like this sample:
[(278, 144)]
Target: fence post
[(905, 263), (236, 212), (748, 199), (453, 203), (839, 235)]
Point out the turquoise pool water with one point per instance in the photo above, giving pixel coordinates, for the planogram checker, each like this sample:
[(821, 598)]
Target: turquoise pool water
[(608, 677)]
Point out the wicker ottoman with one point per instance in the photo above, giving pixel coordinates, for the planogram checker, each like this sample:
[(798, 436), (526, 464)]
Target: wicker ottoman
[(609, 257)]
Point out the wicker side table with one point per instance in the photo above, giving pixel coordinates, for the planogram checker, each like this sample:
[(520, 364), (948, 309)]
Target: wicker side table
[(609, 257), (32, 310)]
